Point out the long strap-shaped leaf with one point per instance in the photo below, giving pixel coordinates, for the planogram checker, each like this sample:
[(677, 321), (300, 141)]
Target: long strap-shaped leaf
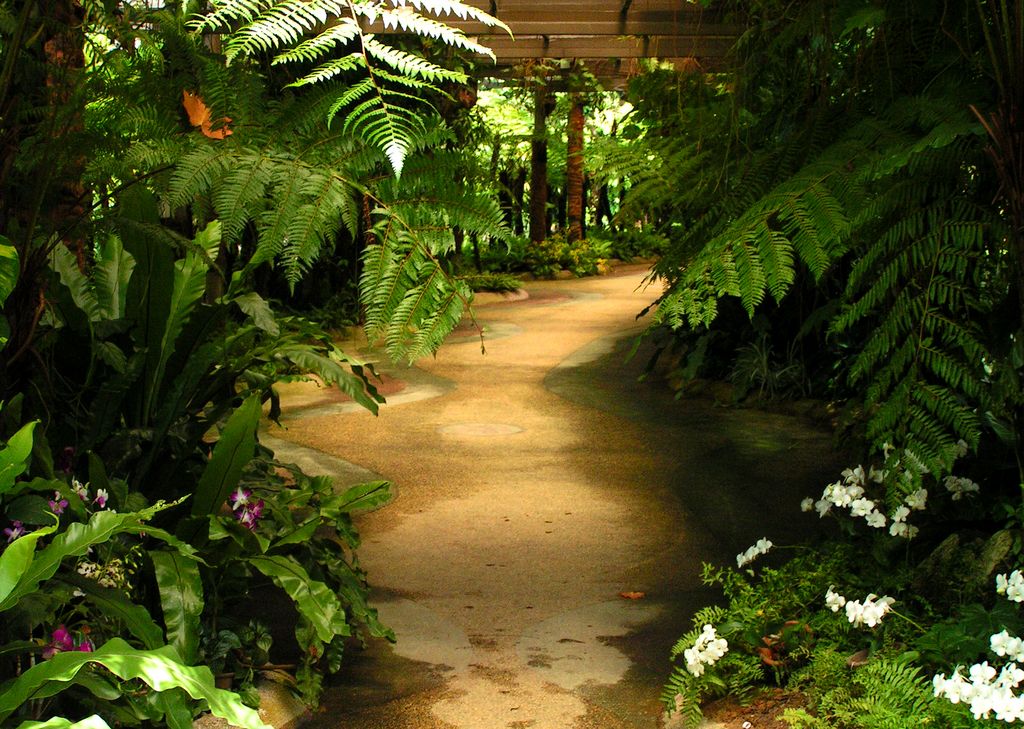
[(234, 449), (161, 669), (181, 598)]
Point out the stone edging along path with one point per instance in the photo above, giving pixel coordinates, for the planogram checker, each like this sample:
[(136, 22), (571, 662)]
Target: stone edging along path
[(537, 483)]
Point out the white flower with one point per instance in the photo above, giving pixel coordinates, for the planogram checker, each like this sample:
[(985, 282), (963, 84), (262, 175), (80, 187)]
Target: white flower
[(916, 500), (855, 476), (902, 529), (876, 475), (1004, 644), (80, 488), (901, 513), (861, 507), (706, 651), (887, 449), (833, 600), (823, 506), (870, 612), (875, 519), (959, 486), (961, 448), (807, 504), (1012, 586), (761, 547)]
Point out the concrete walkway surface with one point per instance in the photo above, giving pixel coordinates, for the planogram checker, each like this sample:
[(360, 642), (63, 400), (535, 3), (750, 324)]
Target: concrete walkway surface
[(537, 483)]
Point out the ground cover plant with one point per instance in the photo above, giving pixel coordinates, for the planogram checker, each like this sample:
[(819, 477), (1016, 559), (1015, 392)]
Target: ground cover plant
[(155, 198), (844, 218)]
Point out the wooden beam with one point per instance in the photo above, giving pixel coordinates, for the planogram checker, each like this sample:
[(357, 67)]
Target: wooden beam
[(560, 46)]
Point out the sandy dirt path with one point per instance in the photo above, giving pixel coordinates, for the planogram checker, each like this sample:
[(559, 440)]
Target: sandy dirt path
[(535, 484)]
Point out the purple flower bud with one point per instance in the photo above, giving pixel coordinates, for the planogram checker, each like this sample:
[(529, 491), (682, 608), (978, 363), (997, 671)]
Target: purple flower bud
[(14, 531)]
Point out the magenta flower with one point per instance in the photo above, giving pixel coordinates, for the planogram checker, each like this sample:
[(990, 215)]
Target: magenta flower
[(14, 531), (239, 497), (101, 498), (60, 641), (58, 503), (250, 514)]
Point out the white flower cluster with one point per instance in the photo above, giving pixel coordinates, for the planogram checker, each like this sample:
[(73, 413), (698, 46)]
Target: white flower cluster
[(849, 493), (705, 652), (1010, 646), (1012, 586), (113, 574), (869, 613), (987, 692), (761, 547), (960, 486)]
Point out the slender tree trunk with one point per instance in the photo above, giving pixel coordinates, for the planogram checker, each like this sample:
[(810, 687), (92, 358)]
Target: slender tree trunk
[(518, 194), (604, 206), (539, 167), (505, 197), (574, 170)]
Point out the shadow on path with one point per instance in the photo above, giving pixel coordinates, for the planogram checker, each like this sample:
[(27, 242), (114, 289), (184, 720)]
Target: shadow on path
[(537, 485)]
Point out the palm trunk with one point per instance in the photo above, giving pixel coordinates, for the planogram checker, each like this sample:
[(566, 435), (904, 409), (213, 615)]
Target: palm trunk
[(539, 167)]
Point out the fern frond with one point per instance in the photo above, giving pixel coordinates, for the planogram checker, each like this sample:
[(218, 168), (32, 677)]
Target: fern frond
[(343, 32), (406, 19), (410, 64), (330, 69), (282, 24)]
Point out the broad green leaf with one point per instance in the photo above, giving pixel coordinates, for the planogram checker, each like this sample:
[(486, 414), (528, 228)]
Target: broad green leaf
[(76, 541), (17, 557), (114, 604), (300, 534), (255, 306), (29, 509), (314, 600), (65, 264), (234, 449), (159, 668), (330, 371), (59, 722), (111, 275), (9, 267), (177, 712), (14, 456), (181, 598), (363, 497)]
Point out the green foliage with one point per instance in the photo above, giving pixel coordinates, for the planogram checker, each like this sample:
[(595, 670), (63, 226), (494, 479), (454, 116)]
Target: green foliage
[(817, 168), (384, 108), (496, 282), (886, 693), (581, 258), (42, 562)]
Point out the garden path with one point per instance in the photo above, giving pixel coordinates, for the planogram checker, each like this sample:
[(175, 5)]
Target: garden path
[(536, 483)]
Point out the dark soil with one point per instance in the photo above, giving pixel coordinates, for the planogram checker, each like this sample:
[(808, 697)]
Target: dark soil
[(763, 712)]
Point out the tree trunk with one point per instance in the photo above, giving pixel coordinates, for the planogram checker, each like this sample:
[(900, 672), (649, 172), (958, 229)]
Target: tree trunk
[(574, 170), (518, 194), (539, 167)]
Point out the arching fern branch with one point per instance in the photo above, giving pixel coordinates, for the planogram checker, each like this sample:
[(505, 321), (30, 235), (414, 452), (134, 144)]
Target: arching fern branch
[(410, 300), (374, 109)]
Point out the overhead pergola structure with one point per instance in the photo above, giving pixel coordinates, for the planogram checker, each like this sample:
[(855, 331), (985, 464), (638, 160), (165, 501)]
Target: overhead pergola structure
[(609, 37)]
